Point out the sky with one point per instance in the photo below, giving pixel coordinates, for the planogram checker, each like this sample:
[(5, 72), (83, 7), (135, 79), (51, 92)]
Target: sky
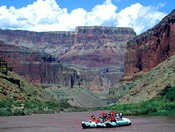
[(66, 15)]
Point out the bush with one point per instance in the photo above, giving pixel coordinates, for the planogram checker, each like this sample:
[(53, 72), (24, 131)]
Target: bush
[(159, 106), (5, 112), (170, 95)]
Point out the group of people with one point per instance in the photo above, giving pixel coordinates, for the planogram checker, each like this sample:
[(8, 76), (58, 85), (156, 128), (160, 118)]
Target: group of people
[(106, 117)]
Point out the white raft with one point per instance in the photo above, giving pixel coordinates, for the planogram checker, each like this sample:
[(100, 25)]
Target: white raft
[(107, 124)]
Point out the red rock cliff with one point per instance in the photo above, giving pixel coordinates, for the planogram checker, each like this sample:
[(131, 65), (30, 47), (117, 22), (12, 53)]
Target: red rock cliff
[(39, 68), (149, 49), (98, 46), (54, 43)]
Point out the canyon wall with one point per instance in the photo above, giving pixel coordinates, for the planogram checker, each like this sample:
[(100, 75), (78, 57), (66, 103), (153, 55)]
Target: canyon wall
[(149, 64), (39, 68), (54, 43), (98, 46), (149, 49), (87, 46), (96, 54)]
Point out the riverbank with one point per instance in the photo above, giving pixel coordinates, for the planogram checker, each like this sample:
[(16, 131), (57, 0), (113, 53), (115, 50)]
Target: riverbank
[(14, 107), (160, 106)]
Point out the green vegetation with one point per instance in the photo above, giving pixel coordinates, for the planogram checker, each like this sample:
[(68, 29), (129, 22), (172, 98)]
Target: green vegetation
[(163, 105), (13, 107), (19, 97)]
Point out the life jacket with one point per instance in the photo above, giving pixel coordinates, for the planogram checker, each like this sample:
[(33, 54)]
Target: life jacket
[(93, 120), (98, 120), (112, 118), (107, 119)]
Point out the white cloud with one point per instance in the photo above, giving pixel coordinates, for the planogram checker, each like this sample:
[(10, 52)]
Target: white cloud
[(102, 14), (46, 15), (160, 5), (138, 17)]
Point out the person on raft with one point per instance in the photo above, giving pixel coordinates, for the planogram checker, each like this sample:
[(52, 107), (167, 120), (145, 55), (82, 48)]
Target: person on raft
[(113, 117), (120, 115), (92, 119), (117, 116), (108, 117), (104, 116)]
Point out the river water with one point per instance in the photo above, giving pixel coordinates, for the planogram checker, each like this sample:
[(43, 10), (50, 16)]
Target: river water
[(71, 122)]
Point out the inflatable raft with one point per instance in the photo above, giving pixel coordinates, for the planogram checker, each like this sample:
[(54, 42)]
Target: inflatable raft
[(107, 124)]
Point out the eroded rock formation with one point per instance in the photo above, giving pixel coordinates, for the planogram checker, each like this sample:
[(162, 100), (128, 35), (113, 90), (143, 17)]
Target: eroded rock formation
[(37, 67), (151, 48), (149, 64), (101, 50), (54, 43), (98, 46), (95, 53)]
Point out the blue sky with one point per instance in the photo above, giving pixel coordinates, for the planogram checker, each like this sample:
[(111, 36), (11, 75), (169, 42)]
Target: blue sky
[(89, 4), (65, 15)]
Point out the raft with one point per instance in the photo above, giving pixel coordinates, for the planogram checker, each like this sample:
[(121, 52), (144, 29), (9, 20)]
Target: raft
[(107, 124)]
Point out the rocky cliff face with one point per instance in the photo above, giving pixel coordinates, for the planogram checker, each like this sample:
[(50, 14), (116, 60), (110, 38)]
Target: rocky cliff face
[(99, 49), (98, 46), (54, 43), (59, 82), (43, 68), (149, 64), (149, 49), (145, 86), (4, 66), (87, 46), (37, 67)]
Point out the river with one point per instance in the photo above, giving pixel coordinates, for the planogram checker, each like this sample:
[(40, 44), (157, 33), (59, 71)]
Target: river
[(71, 122)]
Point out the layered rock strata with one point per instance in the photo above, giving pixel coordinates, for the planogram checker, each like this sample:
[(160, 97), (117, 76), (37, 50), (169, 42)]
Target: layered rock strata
[(98, 46), (99, 49), (149, 49), (149, 64), (37, 67), (54, 43)]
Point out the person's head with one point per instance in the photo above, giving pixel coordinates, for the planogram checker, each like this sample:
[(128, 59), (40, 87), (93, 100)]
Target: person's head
[(103, 114), (112, 113)]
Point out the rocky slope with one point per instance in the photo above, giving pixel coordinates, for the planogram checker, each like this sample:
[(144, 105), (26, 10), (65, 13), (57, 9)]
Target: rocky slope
[(20, 97), (13, 86), (151, 48), (146, 86), (149, 64), (16, 90), (81, 97)]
